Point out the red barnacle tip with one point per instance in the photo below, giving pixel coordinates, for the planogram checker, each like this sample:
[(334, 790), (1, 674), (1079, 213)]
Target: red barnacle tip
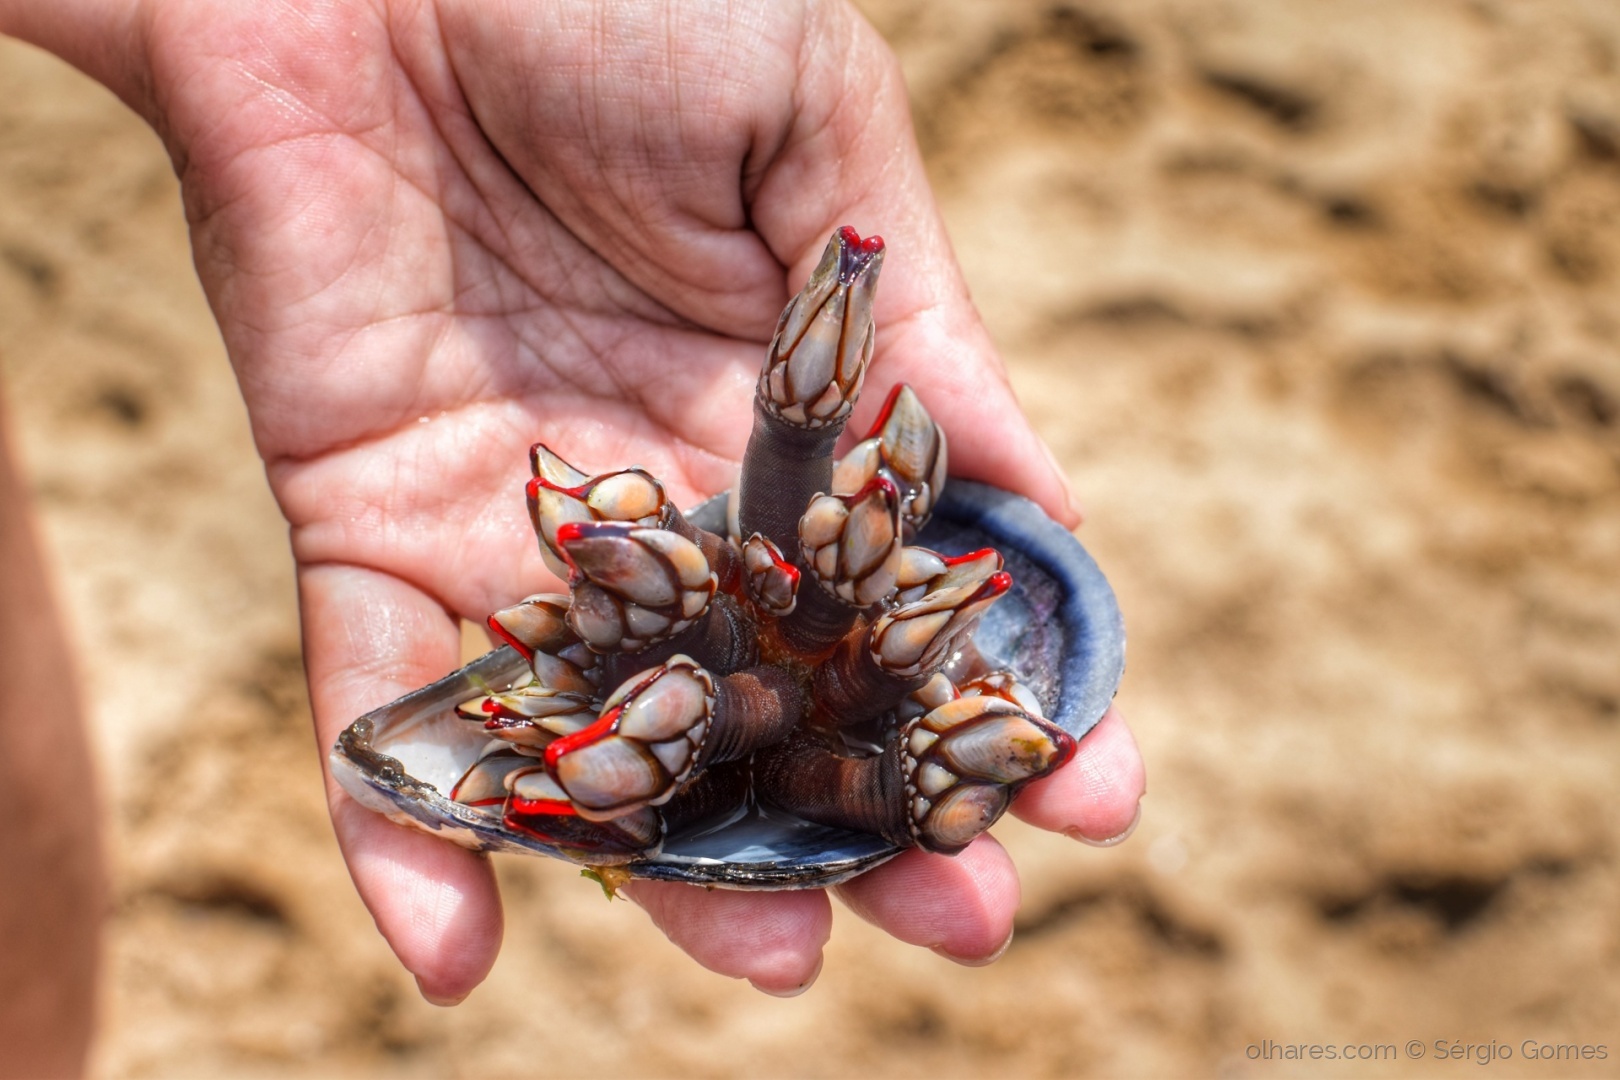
[(972, 556), (1066, 747), (504, 719), (569, 533), (500, 716), (505, 635), (779, 560), (888, 408), (554, 807), (533, 487), (572, 531), (494, 800), (579, 492), (852, 240), (995, 585), (602, 727), (855, 254), (891, 494)]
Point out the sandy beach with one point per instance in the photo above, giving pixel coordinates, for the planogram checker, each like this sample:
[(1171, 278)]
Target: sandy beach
[(1319, 308)]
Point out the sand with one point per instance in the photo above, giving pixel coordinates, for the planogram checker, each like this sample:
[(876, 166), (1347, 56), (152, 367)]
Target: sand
[(1317, 305)]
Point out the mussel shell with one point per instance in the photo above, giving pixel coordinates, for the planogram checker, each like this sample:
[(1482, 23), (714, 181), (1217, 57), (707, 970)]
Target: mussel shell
[(1058, 628)]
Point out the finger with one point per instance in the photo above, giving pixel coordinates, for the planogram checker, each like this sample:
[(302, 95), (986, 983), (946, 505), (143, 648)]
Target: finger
[(774, 940), (809, 111), (645, 175), (960, 906), (368, 639), (1097, 796), (102, 38), (947, 355), (436, 904)]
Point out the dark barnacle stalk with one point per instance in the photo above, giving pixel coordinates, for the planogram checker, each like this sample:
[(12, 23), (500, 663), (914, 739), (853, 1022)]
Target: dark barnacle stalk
[(945, 778), (875, 667), (682, 666)]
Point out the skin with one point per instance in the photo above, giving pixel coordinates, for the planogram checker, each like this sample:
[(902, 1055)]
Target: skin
[(434, 233), (51, 904)]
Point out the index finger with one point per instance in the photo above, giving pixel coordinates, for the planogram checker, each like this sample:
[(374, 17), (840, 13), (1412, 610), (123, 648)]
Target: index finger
[(1096, 797)]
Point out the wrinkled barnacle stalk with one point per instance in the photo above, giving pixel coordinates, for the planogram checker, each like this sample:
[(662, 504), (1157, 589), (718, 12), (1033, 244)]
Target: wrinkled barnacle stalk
[(906, 447), (874, 668), (812, 375), (947, 777)]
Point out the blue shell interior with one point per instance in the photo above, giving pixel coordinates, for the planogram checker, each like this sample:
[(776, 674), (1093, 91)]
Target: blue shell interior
[(1058, 628)]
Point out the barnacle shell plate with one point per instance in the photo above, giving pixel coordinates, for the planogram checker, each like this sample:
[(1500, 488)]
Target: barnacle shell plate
[(1059, 629)]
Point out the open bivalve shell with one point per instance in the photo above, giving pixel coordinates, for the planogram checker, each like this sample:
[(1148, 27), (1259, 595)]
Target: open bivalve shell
[(1059, 630)]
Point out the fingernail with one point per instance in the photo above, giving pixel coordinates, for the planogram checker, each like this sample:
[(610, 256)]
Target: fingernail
[(1069, 502), (792, 991), (1109, 841), (973, 961), (435, 999)]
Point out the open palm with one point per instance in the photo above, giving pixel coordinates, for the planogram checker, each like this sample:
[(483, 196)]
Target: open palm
[(436, 233)]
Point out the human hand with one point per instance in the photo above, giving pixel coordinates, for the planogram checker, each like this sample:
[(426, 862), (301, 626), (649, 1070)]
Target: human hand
[(436, 233)]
